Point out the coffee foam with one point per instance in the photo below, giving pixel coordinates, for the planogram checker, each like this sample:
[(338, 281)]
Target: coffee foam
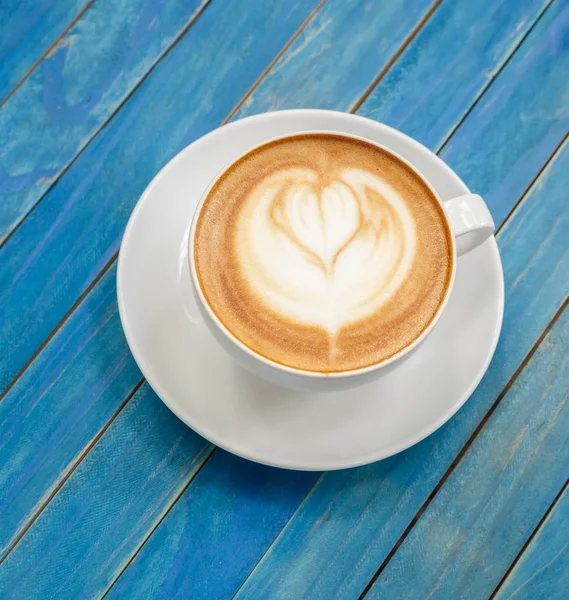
[(323, 253)]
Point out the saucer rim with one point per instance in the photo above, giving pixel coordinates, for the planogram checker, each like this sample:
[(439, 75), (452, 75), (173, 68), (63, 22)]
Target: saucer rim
[(335, 464)]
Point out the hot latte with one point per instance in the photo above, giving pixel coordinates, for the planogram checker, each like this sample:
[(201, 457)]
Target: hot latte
[(323, 252)]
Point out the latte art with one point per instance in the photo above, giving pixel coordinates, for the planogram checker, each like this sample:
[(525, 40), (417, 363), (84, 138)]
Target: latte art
[(322, 252)]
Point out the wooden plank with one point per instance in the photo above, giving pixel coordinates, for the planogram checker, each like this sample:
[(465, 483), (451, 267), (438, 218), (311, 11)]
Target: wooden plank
[(166, 433), (339, 54), (530, 99), (57, 252), (57, 407), (58, 109), (98, 180), (543, 569), (36, 493), (28, 28), (207, 556), (489, 506), (85, 373), (75, 549), (444, 70), (360, 495), (368, 509)]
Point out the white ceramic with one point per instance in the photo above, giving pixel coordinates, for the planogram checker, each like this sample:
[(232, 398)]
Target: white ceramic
[(467, 217), (247, 415)]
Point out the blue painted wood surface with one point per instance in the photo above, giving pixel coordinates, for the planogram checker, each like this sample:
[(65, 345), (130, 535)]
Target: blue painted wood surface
[(532, 101), (543, 570), (491, 503), (29, 28), (219, 528), (34, 495), (34, 405), (451, 61), (59, 405), (209, 556), (338, 55), (79, 557), (369, 508), (327, 63), (74, 91), (166, 562), (57, 252)]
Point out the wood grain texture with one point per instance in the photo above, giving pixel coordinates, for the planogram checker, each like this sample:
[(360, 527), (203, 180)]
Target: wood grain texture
[(531, 100), (82, 377), (207, 539), (450, 62), (27, 29), (351, 519), (367, 510), (35, 495), (241, 571), (57, 252), (60, 403), (74, 91), (80, 200), (284, 83), (116, 494), (491, 503), (542, 572), (337, 56)]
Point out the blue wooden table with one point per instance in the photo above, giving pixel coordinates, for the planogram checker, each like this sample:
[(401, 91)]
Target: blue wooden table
[(103, 492)]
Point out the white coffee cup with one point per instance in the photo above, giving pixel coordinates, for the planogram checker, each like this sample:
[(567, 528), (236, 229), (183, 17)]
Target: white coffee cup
[(468, 218)]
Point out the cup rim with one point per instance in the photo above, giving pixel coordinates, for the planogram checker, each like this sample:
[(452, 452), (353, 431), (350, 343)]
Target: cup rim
[(339, 375)]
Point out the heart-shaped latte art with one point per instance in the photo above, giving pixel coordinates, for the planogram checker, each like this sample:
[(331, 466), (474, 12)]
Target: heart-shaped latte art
[(324, 253), (321, 221)]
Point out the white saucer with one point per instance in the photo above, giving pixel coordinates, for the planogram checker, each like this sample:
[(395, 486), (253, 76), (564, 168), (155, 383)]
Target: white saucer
[(252, 418)]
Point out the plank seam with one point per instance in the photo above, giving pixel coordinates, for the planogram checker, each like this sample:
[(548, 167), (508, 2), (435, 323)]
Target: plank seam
[(115, 255), (274, 61), (73, 468), (48, 51), (233, 112), (212, 449), (280, 534), (493, 78), (199, 10), (463, 450), (530, 539), (395, 56), (534, 181), (61, 323), (105, 269)]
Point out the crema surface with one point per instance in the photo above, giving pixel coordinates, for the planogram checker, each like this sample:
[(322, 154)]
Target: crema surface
[(323, 253)]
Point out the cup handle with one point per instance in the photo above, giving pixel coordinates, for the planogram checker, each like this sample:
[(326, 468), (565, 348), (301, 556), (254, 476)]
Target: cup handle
[(470, 220)]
